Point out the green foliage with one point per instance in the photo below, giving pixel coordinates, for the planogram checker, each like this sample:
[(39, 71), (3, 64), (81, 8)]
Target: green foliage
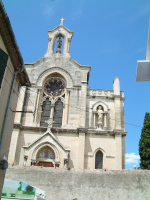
[(144, 143), (29, 189)]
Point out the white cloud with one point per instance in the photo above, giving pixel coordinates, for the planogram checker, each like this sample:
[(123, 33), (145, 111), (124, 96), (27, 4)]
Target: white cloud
[(132, 158)]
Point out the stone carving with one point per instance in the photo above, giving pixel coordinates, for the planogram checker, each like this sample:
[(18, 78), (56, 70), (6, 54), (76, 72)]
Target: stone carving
[(100, 113), (25, 160), (59, 44), (49, 122), (62, 20)]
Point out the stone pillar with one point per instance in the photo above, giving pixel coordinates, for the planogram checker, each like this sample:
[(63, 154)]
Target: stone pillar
[(81, 148), (117, 103), (13, 146), (36, 107), (83, 104), (105, 120), (66, 109), (20, 104), (52, 111), (118, 151)]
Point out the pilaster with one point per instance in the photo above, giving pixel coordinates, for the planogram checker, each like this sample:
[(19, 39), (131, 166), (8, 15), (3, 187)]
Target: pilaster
[(20, 105), (81, 148), (118, 151), (83, 104), (13, 146)]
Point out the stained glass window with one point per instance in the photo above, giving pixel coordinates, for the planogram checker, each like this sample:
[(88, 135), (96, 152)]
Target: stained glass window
[(46, 153)]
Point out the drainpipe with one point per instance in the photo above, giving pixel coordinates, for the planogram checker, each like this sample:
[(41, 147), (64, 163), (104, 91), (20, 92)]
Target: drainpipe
[(7, 110)]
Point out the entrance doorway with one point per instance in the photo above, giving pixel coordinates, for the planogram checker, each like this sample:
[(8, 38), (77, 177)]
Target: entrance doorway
[(45, 164)]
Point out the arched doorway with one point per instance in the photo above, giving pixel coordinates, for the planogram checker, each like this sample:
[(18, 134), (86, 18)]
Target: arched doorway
[(45, 157), (99, 160)]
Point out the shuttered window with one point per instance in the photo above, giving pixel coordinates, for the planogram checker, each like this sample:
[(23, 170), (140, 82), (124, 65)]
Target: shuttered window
[(3, 63)]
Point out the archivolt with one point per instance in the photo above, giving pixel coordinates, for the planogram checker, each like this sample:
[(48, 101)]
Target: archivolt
[(62, 72), (46, 144)]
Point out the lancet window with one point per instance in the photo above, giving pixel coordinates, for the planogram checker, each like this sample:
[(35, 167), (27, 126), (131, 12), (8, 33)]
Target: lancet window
[(99, 160)]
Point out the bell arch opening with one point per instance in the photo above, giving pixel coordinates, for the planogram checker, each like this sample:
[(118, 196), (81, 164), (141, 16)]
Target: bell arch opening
[(58, 44)]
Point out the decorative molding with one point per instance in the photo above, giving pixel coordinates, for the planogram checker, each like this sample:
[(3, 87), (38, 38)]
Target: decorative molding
[(62, 72)]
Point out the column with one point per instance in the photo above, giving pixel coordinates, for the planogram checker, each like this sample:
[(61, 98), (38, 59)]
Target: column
[(105, 120)]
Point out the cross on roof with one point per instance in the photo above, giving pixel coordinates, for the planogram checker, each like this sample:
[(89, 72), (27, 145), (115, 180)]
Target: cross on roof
[(62, 20), (49, 122)]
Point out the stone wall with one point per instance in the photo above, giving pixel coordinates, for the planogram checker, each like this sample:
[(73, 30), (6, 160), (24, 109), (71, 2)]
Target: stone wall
[(85, 184)]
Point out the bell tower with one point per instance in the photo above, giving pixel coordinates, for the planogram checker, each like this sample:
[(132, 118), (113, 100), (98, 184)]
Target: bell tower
[(58, 34)]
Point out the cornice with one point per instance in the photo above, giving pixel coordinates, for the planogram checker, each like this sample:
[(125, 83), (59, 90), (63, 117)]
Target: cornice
[(67, 130)]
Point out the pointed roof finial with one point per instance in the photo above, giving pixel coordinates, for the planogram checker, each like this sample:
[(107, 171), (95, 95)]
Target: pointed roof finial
[(62, 20)]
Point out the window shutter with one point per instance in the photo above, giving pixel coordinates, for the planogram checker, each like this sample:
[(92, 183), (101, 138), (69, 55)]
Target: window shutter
[(3, 63)]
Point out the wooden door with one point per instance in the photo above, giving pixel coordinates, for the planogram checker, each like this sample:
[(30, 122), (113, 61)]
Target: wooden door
[(45, 164)]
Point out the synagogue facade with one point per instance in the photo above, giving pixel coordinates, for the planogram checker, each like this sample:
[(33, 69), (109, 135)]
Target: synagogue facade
[(63, 123)]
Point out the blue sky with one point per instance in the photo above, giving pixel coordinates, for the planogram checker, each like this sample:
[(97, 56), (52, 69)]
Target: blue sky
[(108, 35)]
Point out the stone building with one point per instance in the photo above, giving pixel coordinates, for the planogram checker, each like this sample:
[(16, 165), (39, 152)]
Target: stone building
[(12, 75), (64, 123)]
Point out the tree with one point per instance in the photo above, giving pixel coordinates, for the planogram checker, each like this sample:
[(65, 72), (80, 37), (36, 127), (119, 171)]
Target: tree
[(29, 189), (144, 143)]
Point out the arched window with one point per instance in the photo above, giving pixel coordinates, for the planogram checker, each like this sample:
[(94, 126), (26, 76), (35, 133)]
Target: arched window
[(99, 160), (46, 153), (46, 157), (54, 93)]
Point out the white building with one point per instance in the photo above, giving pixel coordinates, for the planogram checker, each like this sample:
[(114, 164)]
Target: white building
[(88, 130), (12, 76)]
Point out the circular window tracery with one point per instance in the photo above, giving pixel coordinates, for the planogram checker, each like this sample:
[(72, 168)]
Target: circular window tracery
[(54, 86)]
